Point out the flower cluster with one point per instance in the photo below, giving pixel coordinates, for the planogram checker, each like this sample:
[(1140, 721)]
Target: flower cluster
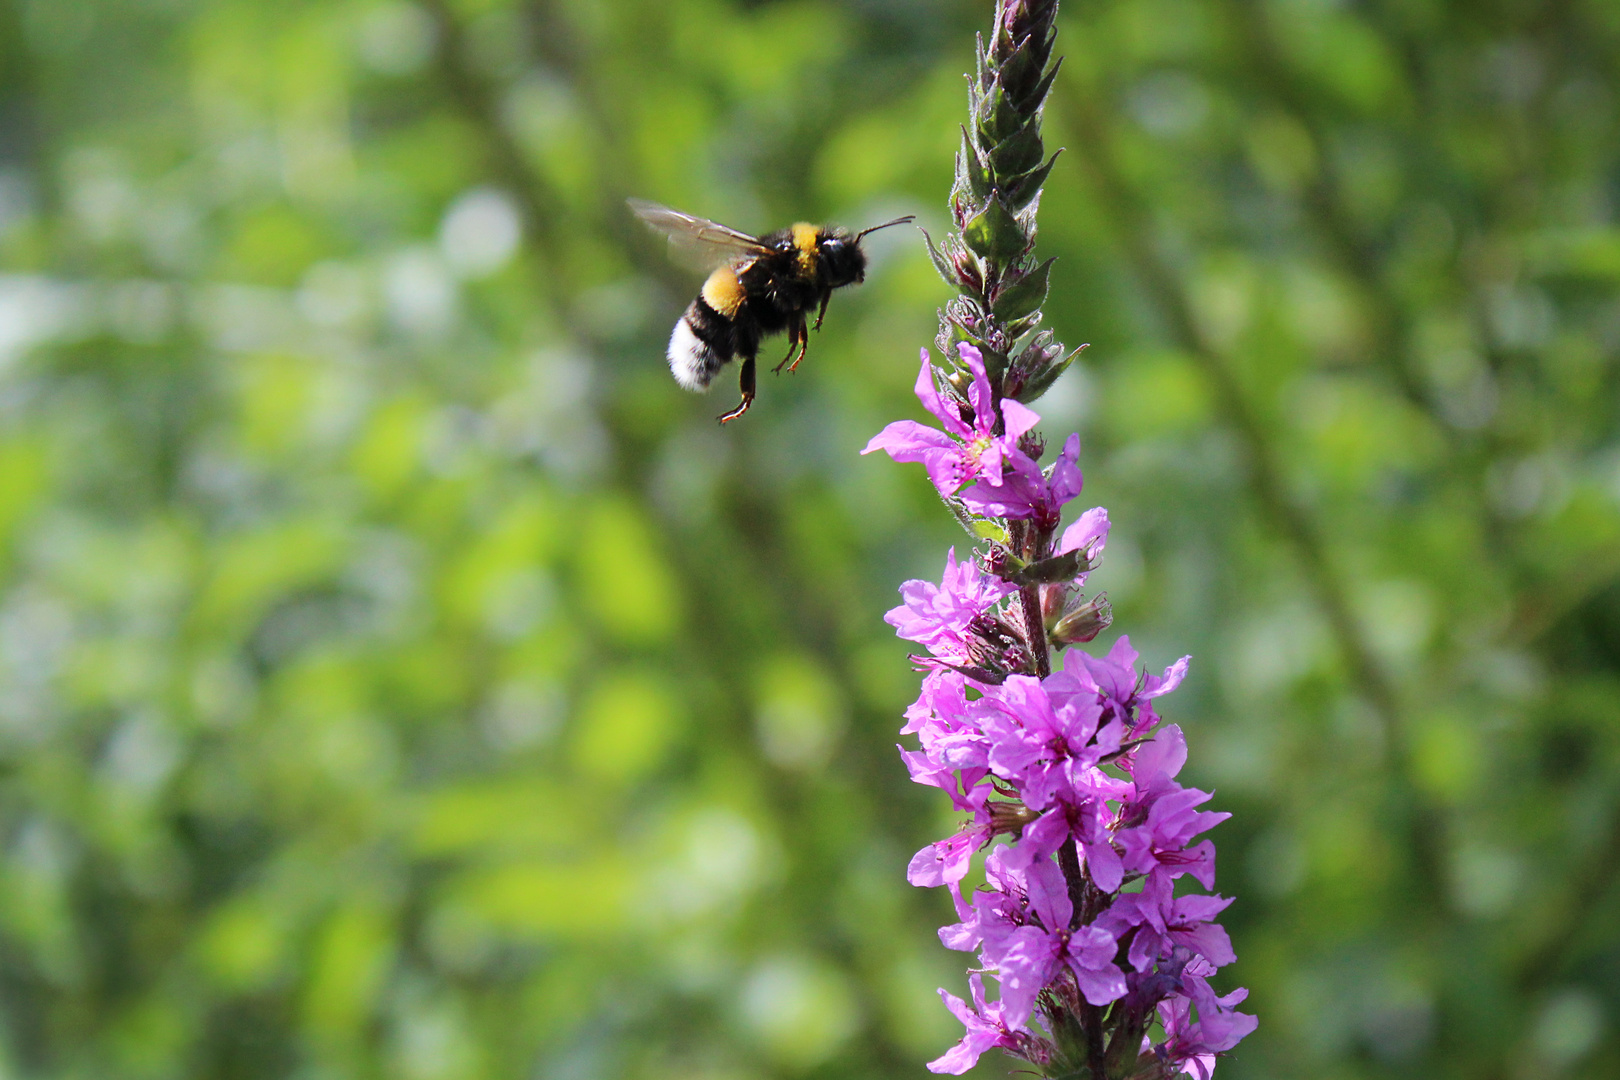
[(1103, 970)]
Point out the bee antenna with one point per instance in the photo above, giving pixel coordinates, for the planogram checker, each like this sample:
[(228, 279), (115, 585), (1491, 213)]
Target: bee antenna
[(885, 225)]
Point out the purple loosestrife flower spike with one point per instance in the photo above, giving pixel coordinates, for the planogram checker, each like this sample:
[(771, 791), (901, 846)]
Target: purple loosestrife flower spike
[(1089, 962)]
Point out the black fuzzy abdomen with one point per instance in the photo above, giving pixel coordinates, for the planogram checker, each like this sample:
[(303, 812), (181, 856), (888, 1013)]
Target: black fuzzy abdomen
[(722, 338), (713, 329)]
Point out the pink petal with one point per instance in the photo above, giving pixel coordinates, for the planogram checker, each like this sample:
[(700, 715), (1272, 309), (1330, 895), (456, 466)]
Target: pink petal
[(1019, 417), (1091, 530), (1158, 686), (943, 411), (979, 395), (907, 440)]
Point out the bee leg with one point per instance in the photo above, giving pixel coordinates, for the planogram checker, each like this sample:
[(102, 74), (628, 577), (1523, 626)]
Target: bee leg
[(798, 338), (826, 295), (793, 343), (746, 381), (804, 343)]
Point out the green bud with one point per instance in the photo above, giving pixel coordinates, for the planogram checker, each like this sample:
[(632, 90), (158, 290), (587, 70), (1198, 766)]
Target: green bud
[(1020, 71), (999, 115), (1039, 382), (995, 234), (1024, 296), (1084, 622)]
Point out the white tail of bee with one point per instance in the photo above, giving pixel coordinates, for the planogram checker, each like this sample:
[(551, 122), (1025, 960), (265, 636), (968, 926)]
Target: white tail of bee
[(691, 360)]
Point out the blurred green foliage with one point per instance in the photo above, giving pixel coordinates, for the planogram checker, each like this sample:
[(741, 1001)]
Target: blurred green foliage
[(400, 676)]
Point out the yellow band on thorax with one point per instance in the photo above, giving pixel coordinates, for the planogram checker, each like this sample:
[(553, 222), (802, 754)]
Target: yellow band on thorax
[(804, 238)]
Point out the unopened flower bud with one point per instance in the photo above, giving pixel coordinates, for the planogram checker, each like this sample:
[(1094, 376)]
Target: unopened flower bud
[(1084, 622), (1054, 598), (1008, 630), (968, 273)]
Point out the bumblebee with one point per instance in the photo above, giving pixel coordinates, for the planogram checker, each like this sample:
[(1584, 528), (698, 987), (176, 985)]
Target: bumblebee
[(757, 286)]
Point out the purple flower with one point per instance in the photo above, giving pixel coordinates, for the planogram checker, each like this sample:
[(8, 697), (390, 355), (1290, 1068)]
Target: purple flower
[(941, 616), (946, 861), (1193, 1044), (1079, 819), (1088, 533), (1164, 921), (927, 770), (993, 913), (1155, 764), (1050, 752), (1025, 492), (1067, 766), (1030, 957), (947, 725), (968, 449), (1157, 823), (1039, 749), (1114, 677), (985, 1025)]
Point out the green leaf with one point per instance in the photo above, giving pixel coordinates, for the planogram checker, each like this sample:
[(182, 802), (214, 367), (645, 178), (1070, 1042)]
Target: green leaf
[(1024, 296), (1050, 571), (1042, 88), (999, 116), (972, 165), (942, 264), (1019, 190), (1021, 70), (989, 530), (995, 234), (1019, 152)]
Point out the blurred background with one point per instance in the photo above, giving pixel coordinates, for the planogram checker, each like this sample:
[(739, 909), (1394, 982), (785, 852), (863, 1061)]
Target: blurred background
[(401, 677)]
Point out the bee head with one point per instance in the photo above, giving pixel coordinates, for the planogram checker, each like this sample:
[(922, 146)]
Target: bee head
[(842, 258)]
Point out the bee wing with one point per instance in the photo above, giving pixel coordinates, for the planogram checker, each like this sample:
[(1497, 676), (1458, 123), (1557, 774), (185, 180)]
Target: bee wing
[(695, 242)]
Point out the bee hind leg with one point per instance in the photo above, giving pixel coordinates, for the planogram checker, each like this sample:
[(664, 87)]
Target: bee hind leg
[(821, 313), (745, 381)]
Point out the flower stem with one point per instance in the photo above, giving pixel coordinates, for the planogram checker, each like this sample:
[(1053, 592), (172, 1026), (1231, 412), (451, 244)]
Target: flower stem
[(1029, 598), (1075, 878)]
